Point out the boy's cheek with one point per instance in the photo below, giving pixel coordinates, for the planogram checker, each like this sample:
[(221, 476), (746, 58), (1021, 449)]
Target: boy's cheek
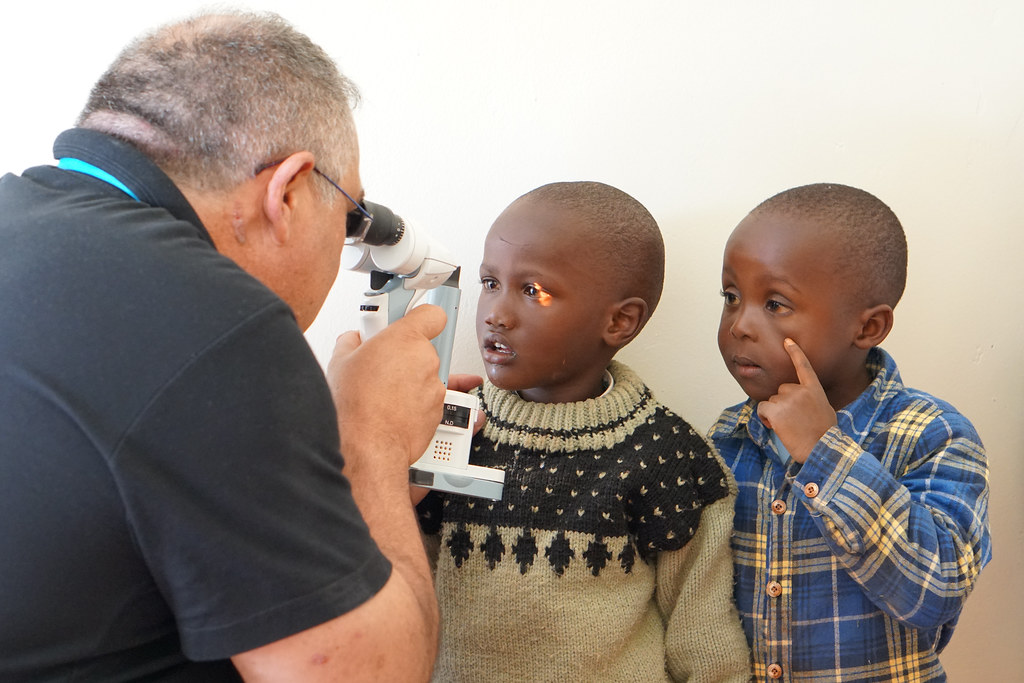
[(724, 336)]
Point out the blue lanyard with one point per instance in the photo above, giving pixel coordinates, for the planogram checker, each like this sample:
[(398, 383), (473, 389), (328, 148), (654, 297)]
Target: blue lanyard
[(72, 164)]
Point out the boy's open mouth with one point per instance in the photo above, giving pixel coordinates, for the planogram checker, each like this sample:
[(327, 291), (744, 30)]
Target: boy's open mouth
[(496, 350)]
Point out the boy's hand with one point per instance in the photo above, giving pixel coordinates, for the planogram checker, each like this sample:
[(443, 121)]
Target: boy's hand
[(800, 413)]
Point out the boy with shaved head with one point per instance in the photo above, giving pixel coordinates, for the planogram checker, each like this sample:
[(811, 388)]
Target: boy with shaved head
[(608, 557), (862, 515)]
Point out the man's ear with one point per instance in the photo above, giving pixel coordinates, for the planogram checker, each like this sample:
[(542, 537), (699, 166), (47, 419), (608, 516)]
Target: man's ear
[(627, 319), (286, 188), (875, 325)]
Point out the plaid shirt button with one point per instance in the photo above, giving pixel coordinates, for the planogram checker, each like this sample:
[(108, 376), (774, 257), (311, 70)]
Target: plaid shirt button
[(811, 490)]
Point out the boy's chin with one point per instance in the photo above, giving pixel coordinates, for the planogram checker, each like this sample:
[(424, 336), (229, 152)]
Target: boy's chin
[(755, 391), (500, 379)]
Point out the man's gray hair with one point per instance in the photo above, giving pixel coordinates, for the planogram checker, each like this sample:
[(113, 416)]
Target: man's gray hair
[(213, 98)]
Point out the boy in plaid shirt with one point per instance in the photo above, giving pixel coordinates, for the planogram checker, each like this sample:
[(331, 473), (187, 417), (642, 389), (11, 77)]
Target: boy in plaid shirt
[(862, 516)]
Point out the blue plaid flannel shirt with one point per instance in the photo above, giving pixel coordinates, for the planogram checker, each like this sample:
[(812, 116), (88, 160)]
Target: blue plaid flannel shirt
[(855, 565)]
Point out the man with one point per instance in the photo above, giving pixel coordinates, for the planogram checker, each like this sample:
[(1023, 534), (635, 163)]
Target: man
[(172, 502)]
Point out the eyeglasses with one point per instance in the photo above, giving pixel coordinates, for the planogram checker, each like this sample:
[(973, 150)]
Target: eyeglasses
[(357, 221)]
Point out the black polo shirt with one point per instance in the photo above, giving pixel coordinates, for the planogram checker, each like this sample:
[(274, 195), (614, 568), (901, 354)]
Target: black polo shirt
[(170, 481)]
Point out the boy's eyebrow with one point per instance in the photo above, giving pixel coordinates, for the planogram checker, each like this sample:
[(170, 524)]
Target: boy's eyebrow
[(779, 279), (764, 280), (774, 282), (513, 273)]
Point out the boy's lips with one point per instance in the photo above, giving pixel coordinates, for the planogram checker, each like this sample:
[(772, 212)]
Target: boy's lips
[(745, 367), (496, 350)]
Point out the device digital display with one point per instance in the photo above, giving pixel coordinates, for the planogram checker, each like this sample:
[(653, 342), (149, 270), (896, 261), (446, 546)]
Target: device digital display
[(455, 416)]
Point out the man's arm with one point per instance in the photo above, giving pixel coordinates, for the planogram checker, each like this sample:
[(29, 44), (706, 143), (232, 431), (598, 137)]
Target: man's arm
[(389, 400)]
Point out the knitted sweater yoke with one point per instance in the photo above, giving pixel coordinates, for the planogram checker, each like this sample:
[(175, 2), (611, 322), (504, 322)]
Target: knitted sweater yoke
[(559, 579)]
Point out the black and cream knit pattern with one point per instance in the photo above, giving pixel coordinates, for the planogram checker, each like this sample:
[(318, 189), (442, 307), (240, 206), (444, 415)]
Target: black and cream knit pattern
[(607, 558), (620, 470)]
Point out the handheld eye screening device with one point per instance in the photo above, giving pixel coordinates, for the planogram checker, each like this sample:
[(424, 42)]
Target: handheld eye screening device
[(407, 268)]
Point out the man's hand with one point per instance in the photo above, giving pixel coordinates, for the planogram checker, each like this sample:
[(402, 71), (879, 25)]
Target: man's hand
[(386, 390), (800, 414)]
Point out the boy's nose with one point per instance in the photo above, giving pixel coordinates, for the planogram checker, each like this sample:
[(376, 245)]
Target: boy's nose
[(742, 324), (496, 319)]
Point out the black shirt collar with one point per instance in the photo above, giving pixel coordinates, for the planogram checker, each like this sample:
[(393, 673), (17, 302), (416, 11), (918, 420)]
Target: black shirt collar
[(133, 168)]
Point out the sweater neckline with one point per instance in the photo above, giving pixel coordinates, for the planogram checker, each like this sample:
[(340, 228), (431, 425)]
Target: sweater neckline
[(560, 426), (608, 381)]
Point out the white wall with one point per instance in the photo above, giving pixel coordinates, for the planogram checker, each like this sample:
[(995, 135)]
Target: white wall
[(700, 110)]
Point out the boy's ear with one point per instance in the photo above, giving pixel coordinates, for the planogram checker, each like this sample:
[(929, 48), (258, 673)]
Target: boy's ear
[(875, 325), (627, 319)]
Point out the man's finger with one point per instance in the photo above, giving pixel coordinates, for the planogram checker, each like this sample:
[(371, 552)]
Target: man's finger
[(804, 372), (464, 383), (427, 319), (346, 343)]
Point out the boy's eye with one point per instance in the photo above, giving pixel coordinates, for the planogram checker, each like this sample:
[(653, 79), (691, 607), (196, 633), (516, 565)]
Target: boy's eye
[(773, 306), (537, 293), (488, 283), (731, 298)]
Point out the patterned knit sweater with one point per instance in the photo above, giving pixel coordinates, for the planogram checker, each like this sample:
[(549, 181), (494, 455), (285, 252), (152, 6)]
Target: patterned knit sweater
[(607, 558)]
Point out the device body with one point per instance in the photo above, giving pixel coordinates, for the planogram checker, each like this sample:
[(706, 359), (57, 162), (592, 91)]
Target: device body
[(407, 270)]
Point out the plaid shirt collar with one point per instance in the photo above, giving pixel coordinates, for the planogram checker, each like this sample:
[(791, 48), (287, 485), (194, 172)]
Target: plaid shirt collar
[(855, 420)]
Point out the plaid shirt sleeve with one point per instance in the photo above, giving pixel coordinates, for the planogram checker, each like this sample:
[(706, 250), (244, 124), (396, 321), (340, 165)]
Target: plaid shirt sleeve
[(908, 521), (855, 565)]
